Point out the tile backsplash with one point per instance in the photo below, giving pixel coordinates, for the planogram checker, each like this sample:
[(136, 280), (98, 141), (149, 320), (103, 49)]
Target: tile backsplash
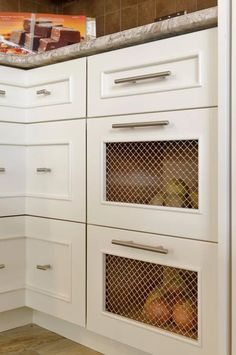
[(50, 6), (111, 15), (117, 15)]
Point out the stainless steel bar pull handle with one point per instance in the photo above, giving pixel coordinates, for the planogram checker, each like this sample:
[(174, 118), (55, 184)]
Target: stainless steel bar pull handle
[(3, 92), (43, 170), (43, 267), (2, 170), (43, 92), (134, 79), (2, 266), (141, 124), (130, 244)]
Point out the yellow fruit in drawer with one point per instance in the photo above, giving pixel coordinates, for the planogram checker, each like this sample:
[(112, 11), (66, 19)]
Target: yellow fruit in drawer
[(194, 199), (157, 200)]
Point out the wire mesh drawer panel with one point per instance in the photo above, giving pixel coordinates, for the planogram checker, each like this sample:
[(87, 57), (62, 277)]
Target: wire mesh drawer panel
[(162, 173), (152, 292), (155, 173), (161, 296)]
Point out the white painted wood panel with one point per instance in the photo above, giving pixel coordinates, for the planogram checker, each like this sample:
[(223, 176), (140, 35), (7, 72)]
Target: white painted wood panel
[(12, 169), (58, 191), (59, 290), (199, 223), (12, 97), (56, 92), (191, 255), (188, 65), (12, 261)]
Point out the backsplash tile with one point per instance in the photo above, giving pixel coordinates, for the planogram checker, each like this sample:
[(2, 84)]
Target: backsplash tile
[(111, 15), (112, 22), (118, 15), (29, 6), (129, 17)]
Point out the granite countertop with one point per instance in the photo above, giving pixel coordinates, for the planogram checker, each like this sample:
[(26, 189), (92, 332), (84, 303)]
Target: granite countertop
[(175, 26)]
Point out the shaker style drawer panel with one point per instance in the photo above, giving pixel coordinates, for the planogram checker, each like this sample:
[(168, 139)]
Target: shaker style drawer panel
[(176, 73), (61, 96), (55, 275), (12, 94), (12, 263), (155, 288), (12, 169), (52, 93), (48, 176), (55, 172), (155, 173)]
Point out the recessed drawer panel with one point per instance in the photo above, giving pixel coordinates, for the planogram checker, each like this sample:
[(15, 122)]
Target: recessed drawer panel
[(12, 169), (55, 274), (61, 96), (174, 73), (49, 176), (12, 94), (155, 173), (12, 263), (49, 267), (55, 172), (152, 287), (50, 93)]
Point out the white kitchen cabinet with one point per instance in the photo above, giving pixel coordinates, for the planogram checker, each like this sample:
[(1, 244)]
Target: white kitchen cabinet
[(55, 268), (12, 263), (57, 91), (12, 169), (155, 173), (175, 73), (12, 94), (55, 170), (131, 273)]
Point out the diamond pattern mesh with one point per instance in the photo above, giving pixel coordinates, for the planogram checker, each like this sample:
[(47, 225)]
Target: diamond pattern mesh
[(160, 296), (162, 173)]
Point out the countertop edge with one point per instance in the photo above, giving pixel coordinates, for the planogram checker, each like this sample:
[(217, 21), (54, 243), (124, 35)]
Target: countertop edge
[(191, 22)]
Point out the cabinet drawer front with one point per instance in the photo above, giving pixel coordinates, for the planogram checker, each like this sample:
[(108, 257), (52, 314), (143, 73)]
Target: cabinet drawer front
[(47, 94), (150, 77), (152, 286), (55, 276), (48, 176), (12, 94), (61, 96), (49, 267), (12, 169), (55, 171), (153, 169), (12, 264)]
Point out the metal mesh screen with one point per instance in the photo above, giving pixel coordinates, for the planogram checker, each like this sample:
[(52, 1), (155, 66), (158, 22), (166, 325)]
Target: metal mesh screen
[(161, 296), (162, 173)]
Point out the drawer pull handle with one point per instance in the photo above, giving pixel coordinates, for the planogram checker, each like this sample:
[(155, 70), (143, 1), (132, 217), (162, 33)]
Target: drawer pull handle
[(2, 266), (2, 170), (44, 267), (133, 245), (134, 79), (43, 170), (3, 92), (43, 92), (140, 124)]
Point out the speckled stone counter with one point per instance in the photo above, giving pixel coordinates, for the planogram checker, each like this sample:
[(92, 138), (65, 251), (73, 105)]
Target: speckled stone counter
[(179, 25)]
